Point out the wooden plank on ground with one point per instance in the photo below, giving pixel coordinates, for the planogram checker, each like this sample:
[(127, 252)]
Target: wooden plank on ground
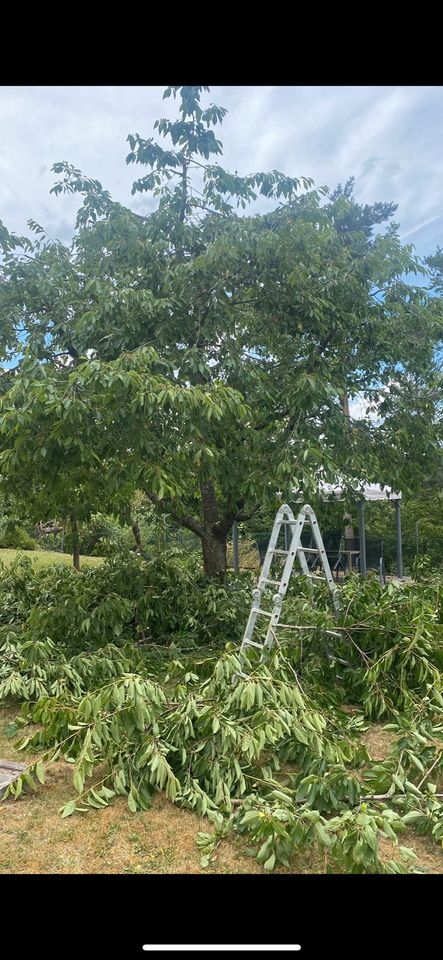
[(8, 772)]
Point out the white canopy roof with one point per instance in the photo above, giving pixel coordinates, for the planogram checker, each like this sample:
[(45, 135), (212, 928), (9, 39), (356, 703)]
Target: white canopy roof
[(369, 491)]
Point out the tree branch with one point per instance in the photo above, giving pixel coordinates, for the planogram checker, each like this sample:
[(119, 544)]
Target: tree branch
[(223, 526), (184, 521)]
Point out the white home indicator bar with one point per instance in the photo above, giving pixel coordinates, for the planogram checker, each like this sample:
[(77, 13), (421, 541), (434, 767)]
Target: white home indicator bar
[(221, 947)]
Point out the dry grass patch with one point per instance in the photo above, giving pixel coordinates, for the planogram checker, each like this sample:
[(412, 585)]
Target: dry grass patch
[(378, 741), (429, 854)]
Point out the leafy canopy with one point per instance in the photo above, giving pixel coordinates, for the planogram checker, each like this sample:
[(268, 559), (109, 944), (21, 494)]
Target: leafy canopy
[(201, 352)]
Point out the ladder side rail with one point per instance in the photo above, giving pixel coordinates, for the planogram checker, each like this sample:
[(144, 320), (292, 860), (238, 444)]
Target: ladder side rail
[(323, 558), (292, 553), (257, 594), (249, 629), (273, 541), (284, 582), (273, 623), (301, 557)]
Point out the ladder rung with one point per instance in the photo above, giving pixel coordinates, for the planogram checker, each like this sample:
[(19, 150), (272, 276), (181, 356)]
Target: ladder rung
[(323, 579), (309, 549), (276, 583), (294, 523), (264, 613), (252, 643), (283, 553)]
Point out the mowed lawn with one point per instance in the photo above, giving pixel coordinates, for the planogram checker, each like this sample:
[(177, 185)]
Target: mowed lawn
[(43, 558)]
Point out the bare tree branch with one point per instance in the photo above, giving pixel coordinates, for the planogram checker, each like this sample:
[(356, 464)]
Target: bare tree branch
[(185, 521)]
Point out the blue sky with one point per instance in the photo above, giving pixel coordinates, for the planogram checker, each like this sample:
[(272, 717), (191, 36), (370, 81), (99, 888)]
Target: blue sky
[(389, 137)]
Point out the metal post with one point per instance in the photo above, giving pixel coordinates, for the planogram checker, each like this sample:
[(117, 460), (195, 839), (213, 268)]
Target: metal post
[(362, 536), (235, 547), (398, 537)]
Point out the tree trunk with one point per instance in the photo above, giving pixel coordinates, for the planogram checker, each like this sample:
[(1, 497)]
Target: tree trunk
[(212, 529), (137, 536), (214, 556), (213, 541), (75, 542)]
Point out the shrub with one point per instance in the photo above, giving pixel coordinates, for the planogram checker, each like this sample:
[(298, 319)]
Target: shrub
[(50, 541), (16, 538), (102, 536), (126, 598)]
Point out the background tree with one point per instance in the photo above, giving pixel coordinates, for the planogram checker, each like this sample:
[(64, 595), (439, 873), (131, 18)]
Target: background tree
[(48, 458), (208, 353)]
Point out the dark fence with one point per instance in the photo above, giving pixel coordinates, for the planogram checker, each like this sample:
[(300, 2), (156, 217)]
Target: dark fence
[(414, 544)]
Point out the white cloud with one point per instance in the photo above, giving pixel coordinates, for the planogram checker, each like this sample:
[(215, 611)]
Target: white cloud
[(358, 407), (388, 137)]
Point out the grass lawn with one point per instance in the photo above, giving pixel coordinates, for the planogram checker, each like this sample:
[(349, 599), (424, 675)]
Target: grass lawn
[(34, 838), (42, 558)]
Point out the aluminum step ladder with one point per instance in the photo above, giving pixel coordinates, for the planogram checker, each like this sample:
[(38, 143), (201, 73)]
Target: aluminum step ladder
[(296, 550)]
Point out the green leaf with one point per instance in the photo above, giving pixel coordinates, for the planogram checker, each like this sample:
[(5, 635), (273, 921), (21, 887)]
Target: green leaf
[(78, 781), (412, 815), (324, 837), (398, 782), (411, 788), (39, 772)]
